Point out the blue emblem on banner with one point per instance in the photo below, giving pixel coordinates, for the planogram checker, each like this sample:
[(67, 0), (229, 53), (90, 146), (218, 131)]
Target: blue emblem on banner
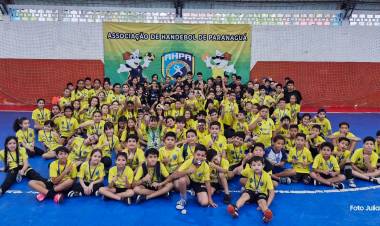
[(177, 64)]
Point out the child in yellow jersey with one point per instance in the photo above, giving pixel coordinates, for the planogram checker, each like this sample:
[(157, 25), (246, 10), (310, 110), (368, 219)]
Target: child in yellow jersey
[(120, 127), (300, 157), (120, 181), (90, 176), (314, 139), (364, 162), (129, 110), (102, 98), (259, 189), (180, 130), (190, 144), (16, 165), (94, 126), (62, 173), (190, 122), (67, 125), (66, 99), (25, 136), (89, 109), (293, 108), (240, 124), (40, 115), (344, 131), (130, 129), (202, 130), (77, 114), (235, 152), (263, 126), (171, 155), (325, 124), (195, 174), (305, 125), (229, 109), (280, 111), (81, 148), (257, 150), (148, 176), (326, 168), (283, 128), (104, 109), (135, 155), (50, 139), (291, 137), (169, 125), (55, 113), (108, 143), (80, 93), (214, 117), (343, 156), (218, 174), (377, 144), (153, 133), (215, 140), (177, 109), (116, 95)]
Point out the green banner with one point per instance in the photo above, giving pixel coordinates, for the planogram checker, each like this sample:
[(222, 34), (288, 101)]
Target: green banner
[(137, 49)]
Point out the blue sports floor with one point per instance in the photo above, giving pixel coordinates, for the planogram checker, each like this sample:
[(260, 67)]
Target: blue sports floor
[(294, 204)]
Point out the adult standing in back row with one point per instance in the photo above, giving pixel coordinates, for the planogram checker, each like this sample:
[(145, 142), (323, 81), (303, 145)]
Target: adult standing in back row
[(290, 90)]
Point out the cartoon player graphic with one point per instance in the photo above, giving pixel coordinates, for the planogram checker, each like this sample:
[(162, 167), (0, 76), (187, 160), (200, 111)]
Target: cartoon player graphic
[(219, 64), (133, 64)]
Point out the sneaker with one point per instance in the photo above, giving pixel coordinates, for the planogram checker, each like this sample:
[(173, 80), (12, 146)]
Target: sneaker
[(58, 198), (181, 204), (232, 210), (351, 183), (140, 199), (338, 186), (307, 180), (268, 215), (74, 194), (374, 180), (316, 183), (227, 198), (127, 200), (40, 197), (285, 180), (97, 193)]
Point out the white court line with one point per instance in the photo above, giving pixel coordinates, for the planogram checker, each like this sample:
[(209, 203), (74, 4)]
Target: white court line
[(322, 191), (299, 192)]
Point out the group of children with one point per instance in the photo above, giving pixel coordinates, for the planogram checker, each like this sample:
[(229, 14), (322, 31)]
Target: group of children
[(186, 134)]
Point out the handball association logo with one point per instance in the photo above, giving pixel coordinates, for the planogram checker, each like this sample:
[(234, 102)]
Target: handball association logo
[(177, 64)]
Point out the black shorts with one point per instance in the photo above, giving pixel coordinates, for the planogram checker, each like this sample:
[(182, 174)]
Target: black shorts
[(255, 197), (197, 187), (217, 186), (49, 185), (300, 176), (325, 176), (121, 190)]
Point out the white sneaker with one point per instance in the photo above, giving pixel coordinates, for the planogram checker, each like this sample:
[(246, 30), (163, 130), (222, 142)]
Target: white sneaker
[(351, 183), (181, 204)]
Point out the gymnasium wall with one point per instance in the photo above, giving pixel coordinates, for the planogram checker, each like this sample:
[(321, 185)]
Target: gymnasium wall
[(312, 55)]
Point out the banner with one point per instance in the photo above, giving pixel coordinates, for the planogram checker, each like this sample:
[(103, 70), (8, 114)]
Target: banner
[(171, 50)]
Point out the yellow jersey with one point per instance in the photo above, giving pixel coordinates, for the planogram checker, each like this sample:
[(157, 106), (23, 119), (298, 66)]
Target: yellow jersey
[(175, 157), (259, 183), (12, 158), (91, 173), (41, 116), (56, 169), (303, 155), (331, 164), (120, 178), (358, 159), (201, 174)]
